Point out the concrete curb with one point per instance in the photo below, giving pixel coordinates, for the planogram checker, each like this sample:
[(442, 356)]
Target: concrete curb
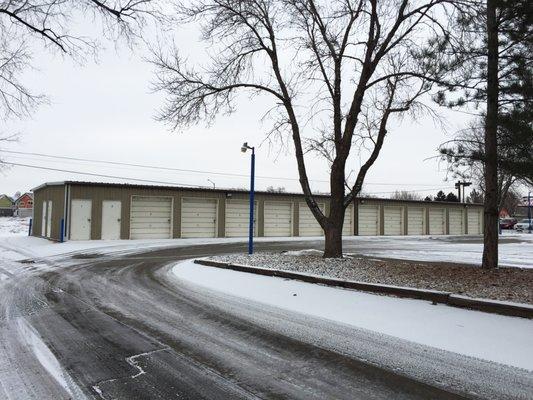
[(435, 296)]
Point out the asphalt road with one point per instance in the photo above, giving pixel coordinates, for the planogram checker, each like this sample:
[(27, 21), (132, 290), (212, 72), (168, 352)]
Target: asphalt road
[(119, 326)]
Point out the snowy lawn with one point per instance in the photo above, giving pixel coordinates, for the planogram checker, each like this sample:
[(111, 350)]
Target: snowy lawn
[(14, 226), (515, 249), (506, 284), (497, 338)]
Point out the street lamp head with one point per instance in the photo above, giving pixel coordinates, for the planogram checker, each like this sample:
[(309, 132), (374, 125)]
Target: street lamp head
[(244, 147)]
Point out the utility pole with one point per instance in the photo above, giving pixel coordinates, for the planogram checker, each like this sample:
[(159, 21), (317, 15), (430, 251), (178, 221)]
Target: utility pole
[(528, 199), (461, 185)]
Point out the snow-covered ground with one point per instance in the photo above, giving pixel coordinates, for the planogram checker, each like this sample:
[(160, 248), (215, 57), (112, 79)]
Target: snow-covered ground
[(14, 226), (497, 338), (515, 249)]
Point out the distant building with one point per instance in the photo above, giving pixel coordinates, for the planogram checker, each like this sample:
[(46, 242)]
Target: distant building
[(504, 213), (521, 212), (6, 206), (24, 205)]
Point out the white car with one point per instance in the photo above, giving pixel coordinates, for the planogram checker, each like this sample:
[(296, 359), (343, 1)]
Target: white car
[(524, 225)]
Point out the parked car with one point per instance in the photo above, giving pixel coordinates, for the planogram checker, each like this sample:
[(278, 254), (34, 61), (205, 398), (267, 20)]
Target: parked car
[(508, 223), (524, 225)]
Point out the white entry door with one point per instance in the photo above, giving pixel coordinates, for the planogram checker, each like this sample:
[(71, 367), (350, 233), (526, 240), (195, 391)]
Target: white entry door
[(198, 218), (43, 220), (49, 219), (151, 217), (111, 219), (80, 219)]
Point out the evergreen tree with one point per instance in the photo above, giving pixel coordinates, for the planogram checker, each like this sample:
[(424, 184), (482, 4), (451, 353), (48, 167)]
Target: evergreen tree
[(440, 196), (452, 197), (492, 47)]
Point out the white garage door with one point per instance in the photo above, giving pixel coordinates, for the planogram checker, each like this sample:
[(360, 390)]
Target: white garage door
[(437, 220), (238, 218), (368, 220), (347, 226), (278, 218), (308, 224), (475, 220), (198, 218), (393, 221), (416, 221), (456, 222), (151, 217)]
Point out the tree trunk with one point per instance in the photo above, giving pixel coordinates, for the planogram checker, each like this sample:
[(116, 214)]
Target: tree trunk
[(333, 247), (490, 237), (333, 230)]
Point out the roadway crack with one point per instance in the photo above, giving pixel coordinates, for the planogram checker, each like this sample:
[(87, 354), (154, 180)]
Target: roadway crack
[(133, 361)]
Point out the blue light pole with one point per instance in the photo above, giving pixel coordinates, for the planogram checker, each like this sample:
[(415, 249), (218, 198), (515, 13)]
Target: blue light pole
[(529, 210), (244, 148)]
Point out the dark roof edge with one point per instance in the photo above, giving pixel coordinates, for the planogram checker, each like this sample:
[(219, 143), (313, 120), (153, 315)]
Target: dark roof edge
[(222, 190)]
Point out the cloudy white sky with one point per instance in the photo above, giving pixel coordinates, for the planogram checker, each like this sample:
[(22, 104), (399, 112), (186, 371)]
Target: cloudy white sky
[(105, 111)]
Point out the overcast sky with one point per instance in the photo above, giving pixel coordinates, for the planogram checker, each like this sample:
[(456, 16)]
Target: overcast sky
[(106, 110)]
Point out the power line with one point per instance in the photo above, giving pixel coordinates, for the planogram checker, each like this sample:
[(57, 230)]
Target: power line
[(149, 166), (101, 175), (414, 191), (164, 182), (193, 170)]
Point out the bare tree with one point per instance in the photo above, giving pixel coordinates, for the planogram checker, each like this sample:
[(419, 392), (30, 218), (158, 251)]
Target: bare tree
[(338, 72), (465, 156), (49, 23), (405, 195)]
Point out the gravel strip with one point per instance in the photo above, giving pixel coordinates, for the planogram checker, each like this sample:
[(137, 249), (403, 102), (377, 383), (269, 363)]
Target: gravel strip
[(506, 284)]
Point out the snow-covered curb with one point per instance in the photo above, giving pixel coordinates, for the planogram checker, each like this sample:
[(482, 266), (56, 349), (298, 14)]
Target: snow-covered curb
[(492, 337), (435, 296)]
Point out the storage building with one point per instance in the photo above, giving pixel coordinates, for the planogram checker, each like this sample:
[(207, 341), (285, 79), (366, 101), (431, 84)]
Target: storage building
[(85, 210)]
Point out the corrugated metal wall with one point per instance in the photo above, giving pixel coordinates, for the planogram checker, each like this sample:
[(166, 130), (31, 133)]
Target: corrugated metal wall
[(55, 194), (365, 217)]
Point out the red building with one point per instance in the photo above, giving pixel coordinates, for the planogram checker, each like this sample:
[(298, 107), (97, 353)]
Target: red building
[(24, 205)]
